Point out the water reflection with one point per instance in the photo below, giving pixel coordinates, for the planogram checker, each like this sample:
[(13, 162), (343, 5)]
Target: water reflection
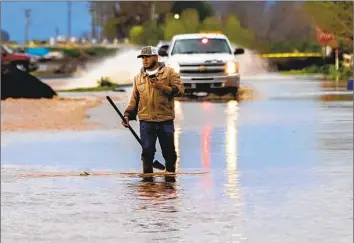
[(335, 129), (205, 146), (231, 149), (154, 202), (179, 115), (156, 195)]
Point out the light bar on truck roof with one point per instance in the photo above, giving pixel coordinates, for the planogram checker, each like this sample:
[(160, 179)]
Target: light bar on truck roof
[(204, 40)]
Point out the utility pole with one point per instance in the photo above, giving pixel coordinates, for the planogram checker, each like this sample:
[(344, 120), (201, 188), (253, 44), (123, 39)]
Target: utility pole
[(27, 23), (93, 24), (56, 32), (153, 9), (69, 20), (92, 7)]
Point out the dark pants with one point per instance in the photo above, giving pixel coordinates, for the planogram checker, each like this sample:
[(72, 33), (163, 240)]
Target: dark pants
[(164, 131)]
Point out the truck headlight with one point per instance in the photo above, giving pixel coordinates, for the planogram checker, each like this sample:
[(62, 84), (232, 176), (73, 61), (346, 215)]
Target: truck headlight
[(174, 65), (231, 67)]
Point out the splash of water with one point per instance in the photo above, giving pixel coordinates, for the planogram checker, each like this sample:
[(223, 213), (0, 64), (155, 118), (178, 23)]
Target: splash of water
[(122, 67), (251, 63)]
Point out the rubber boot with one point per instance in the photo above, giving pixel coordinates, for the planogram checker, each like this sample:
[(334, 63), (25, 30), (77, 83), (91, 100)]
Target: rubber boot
[(147, 167), (170, 167), (158, 165)]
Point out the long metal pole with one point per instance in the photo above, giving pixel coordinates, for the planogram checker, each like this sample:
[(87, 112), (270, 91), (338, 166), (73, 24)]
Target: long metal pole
[(69, 20), (27, 22), (153, 10)]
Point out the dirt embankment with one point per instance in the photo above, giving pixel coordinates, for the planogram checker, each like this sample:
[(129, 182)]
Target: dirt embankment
[(46, 114)]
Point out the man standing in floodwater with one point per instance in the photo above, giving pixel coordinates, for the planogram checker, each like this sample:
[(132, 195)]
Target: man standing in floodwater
[(152, 100)]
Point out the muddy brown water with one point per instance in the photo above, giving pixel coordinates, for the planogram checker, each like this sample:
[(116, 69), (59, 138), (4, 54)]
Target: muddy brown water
[(279, 169)]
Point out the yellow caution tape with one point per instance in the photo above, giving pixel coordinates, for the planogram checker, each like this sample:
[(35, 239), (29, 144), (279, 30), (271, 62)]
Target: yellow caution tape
[(282, 55)]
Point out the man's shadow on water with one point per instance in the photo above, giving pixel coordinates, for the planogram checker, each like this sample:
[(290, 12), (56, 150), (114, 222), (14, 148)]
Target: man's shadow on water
[(168, 179), (155, 193)]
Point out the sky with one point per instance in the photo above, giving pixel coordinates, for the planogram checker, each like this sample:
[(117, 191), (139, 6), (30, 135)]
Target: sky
[(45, 18)]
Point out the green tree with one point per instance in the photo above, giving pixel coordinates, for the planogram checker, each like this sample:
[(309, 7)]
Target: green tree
[(237, 34), (190, 20), (110, 28), (211, 24), (136, 34), (152, 33), (335, 17), (122, 15), (142, 11), (204, 8), (173, 27)]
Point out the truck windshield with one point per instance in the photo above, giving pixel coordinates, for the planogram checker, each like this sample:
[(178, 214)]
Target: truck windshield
[(7, 49), (198, 46)]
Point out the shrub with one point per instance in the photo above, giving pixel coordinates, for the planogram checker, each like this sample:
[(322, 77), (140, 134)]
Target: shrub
[(190, 20), (211, 24), (136, 34), (105, 82), (173, 27)]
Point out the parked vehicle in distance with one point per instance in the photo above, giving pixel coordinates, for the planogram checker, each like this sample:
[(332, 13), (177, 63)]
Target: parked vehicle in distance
[(21, 61), (205, 61)]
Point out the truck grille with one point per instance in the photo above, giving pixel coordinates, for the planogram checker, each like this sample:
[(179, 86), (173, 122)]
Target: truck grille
[(202, 68)]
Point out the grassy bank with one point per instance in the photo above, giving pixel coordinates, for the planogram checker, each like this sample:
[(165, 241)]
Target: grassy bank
[(328, 72), (93, 89), (104, 84)]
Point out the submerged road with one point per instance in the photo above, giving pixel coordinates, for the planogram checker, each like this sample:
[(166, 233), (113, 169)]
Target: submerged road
[(280, 170)]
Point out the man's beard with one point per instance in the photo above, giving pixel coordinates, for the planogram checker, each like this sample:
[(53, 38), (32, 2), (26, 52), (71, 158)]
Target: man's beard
[(152, 65)]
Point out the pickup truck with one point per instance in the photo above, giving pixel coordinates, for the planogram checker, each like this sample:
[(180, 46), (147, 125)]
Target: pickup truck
[(205, 62), (21, 61)]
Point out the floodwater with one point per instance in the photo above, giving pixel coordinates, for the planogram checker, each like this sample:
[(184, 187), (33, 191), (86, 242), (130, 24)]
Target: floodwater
[(280, 169)]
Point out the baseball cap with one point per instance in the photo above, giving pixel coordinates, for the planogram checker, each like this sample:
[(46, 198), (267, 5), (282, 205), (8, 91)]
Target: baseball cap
[(148, 51)]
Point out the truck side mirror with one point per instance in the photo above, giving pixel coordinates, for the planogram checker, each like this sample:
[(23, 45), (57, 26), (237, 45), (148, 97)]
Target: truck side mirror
[(163, 51), (239, 51)]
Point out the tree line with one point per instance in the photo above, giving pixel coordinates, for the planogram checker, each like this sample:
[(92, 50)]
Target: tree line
[(279, 26)]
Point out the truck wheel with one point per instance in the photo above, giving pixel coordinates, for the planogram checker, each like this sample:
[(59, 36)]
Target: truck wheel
[(234, 92), (22, 66)]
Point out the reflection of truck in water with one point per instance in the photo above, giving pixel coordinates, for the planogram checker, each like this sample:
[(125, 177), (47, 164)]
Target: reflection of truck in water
[(206, 62), (21, 61)]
